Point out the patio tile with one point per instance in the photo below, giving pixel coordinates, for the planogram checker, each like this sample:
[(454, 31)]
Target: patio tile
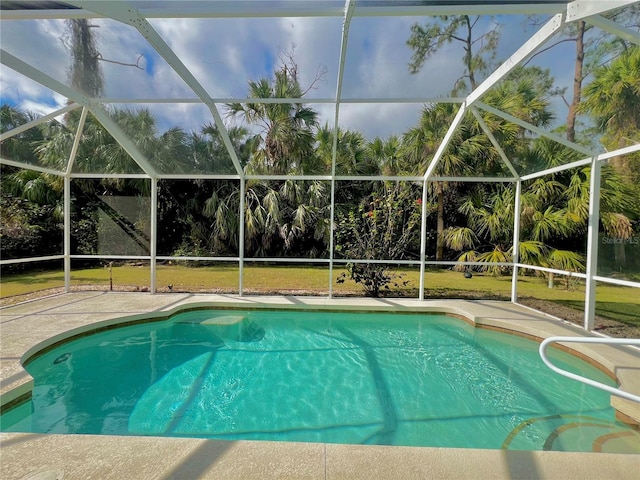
[(111, 457)]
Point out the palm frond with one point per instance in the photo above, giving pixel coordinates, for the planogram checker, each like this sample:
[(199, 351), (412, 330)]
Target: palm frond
[(460, 238)]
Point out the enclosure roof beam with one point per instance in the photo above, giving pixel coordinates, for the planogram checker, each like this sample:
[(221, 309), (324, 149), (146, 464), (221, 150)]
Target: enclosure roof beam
[(431, 100), (614, 29), (297, 8), (123, 12), (538, 130), (585, 161), (435, 8), (494, 142), (29, 71), (348, 13), (51, 14), (619, 152), (581, 9), (109, 175), (525, 51), (558, 169), (29, 166), (305, 8), (198, 176), (76, 141), (445, 141), (316, 178), (26, 126)]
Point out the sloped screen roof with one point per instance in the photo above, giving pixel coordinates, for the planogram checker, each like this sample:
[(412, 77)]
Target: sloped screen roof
[(185, 64)]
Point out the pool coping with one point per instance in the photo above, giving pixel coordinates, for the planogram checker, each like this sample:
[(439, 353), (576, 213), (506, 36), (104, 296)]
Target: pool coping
[(85, 311)]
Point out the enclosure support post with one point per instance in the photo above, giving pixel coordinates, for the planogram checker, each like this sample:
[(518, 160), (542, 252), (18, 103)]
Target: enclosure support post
[(67, 200), (67, 233), (423, 238), (331, 232), (592, 245), (154, 232), (515, 255), (346, 23), (241, 239)]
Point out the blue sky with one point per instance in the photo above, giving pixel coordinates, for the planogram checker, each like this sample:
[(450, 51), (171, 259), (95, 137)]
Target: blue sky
[(224, 54)]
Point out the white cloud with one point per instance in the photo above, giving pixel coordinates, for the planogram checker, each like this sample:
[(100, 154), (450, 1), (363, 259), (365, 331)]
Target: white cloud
[(379, 119), (38, 43), (317, 46), (124, 44), (28, 95), (224, 54), (39, 108)]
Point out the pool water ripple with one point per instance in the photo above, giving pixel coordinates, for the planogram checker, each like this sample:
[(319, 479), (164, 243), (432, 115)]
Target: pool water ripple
[(425, 380)]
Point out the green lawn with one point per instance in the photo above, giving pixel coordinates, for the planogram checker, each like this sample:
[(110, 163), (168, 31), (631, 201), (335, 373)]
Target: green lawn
[(618, 303)]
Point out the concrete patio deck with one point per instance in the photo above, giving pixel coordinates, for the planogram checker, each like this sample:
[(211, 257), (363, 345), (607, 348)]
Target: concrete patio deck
[(27, 328)]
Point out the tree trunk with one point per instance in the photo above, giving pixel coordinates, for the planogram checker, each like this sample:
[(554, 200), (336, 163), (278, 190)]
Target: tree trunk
[(621, 163), (440, 224), (577, 84), (620, 254), (468, 57)]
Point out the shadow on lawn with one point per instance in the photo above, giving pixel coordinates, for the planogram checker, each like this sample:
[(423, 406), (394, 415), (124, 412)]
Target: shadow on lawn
[(628, 313), (39, 280), (36, 279)]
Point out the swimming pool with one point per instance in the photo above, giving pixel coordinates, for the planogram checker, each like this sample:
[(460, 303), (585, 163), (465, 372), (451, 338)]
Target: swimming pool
[(368, 378)]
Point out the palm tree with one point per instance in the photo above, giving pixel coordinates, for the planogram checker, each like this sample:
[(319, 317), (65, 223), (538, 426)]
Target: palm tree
[(41, 189), (613, 101), (352, 154), (30, 202), (19, 146), (420, 144), (554, 215), (287, 129), (210, 154), (353, 158), (487, 235), (389, 156), (282, 217)]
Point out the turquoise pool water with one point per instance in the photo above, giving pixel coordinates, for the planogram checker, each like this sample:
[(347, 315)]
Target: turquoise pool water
[(366, 378)]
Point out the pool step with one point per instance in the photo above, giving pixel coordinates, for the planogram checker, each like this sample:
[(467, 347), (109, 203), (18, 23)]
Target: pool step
[(239, 328), (572, 433), (618, 442)]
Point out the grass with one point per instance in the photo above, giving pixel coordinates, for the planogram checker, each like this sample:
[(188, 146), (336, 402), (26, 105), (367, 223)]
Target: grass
[(617, 303)]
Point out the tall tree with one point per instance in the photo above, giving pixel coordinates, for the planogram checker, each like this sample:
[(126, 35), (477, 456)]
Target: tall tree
[(592, 47), (353, 157), (420, 144), (284, 217), (85, 73), (488, 210), (30, 202), (388, 155), (612, 99), (287, 128), (479, 48)]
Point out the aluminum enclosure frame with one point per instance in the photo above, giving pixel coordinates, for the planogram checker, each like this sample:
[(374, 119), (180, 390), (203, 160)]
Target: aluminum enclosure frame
[(136, 14)]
